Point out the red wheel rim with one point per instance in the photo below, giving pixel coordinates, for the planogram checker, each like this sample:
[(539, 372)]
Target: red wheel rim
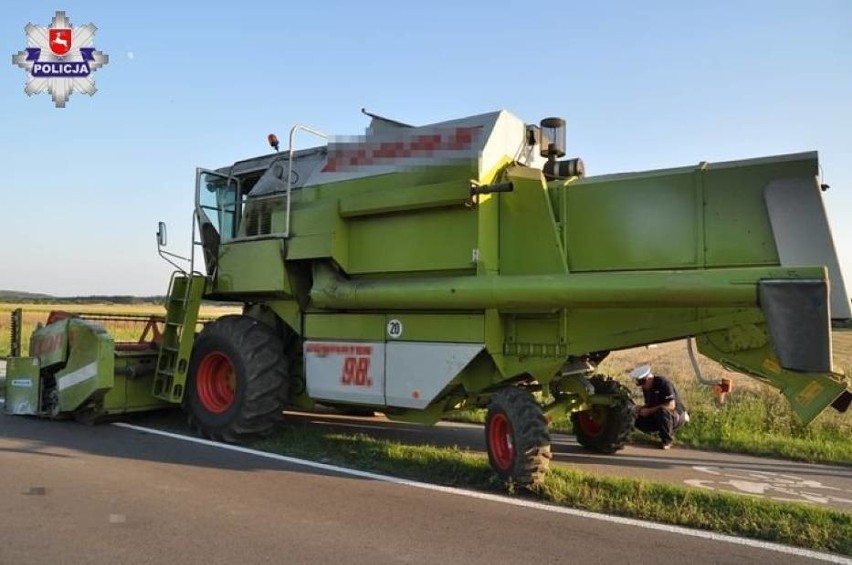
[(500, 440), (591, 426), (215, 382)]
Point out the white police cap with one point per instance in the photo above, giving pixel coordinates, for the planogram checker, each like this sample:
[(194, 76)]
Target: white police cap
[(640, 373)]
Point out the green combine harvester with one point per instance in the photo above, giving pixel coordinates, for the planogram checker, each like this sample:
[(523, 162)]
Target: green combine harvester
[(418, 271)]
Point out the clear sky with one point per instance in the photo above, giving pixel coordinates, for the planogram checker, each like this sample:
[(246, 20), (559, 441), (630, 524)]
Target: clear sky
[(642, 85)]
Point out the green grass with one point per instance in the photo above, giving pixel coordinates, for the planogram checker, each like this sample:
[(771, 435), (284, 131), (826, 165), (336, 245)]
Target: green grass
[(755, 419), (800, 525), (763, 424)]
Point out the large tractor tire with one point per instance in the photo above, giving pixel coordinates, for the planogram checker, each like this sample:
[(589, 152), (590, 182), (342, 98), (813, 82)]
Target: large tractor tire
[(517, 438), (605, 429), (237, 384)]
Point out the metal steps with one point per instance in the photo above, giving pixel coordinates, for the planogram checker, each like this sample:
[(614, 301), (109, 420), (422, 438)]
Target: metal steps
[(184, 300)]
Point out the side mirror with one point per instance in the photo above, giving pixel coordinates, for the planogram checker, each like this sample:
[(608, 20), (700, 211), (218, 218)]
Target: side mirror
[(162, 238)]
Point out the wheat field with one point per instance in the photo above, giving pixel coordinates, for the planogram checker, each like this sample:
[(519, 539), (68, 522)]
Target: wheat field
[(671, 359), (34, 314)]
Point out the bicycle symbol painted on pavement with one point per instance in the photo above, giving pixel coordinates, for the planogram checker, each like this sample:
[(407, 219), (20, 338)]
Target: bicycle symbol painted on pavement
[(777, 486)]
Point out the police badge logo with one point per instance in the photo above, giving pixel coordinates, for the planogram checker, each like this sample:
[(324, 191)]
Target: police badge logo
[(60, 59)]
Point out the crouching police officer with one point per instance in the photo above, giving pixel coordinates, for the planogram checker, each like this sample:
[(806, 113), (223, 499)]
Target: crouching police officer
[(663, 411)]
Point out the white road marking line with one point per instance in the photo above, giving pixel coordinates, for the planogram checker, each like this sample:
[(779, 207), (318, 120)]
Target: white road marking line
[(789, 550)]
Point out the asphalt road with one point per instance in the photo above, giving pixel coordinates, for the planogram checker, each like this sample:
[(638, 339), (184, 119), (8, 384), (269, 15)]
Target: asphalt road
[(106, 494), (822, 485), (829, 486)]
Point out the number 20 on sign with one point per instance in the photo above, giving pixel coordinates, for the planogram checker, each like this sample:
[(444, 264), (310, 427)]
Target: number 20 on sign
[(356, 371)]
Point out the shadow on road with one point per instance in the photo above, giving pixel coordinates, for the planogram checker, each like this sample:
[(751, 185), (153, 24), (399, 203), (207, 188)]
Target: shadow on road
[(62, 438), (32, 436)]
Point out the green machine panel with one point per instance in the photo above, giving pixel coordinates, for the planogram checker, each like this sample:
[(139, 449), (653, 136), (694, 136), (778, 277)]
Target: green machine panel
[(90, 367), (441, 328), (424, 240), (252, 266), (364, 327), (633, 222), (22, 385)]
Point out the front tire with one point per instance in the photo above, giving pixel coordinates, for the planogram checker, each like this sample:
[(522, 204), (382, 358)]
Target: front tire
[(237, 382), (517, 438), (605, 429)]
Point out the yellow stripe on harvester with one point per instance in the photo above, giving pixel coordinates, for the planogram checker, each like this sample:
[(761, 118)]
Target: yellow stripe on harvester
[(771, 365), (809, 393)]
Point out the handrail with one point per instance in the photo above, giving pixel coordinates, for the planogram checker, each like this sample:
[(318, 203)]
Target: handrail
[(290, 152)]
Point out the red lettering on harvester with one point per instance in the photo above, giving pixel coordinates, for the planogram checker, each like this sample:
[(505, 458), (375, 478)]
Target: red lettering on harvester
[(325, 349), (356, 371)]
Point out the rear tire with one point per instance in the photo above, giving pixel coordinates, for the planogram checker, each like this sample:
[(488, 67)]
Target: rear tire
[(517, 438), (237, 384), (605, 429)]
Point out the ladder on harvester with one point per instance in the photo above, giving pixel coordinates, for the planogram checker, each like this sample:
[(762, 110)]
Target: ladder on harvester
[(184, 300)]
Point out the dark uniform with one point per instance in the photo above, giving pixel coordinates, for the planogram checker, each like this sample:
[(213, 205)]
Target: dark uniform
[(663, 421)]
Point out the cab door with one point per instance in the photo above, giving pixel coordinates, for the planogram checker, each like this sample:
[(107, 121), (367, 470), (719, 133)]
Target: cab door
[(217, 210)]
